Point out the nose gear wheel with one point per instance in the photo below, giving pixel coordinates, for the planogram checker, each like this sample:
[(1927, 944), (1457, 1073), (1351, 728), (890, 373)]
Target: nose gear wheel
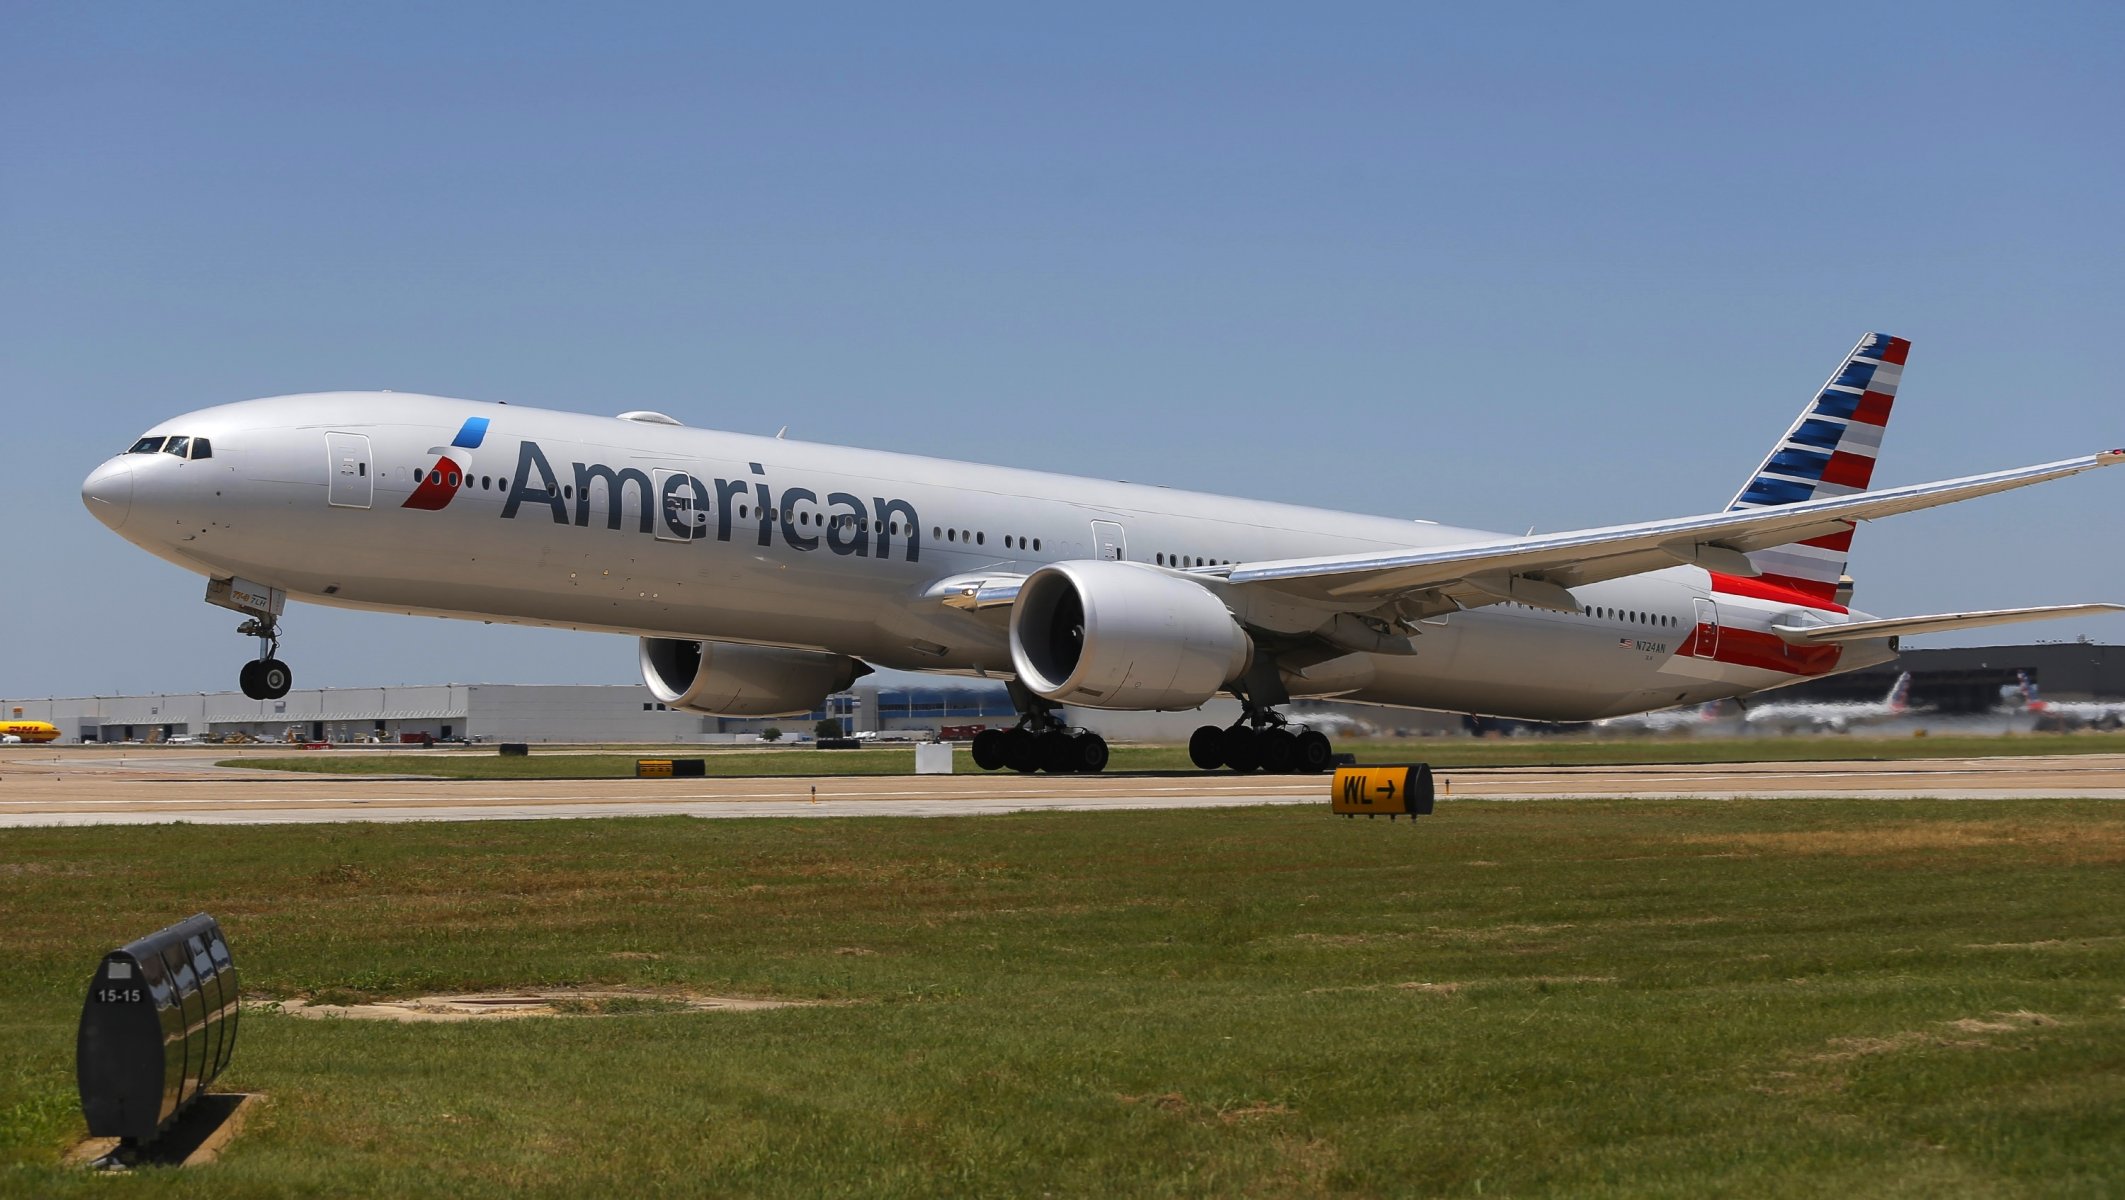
[(265, 677)]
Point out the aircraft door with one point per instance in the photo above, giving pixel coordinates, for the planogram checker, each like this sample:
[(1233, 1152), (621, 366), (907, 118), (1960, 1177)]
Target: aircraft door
[(1108, 541), (682, 512), (348, 479), (1707, 644)]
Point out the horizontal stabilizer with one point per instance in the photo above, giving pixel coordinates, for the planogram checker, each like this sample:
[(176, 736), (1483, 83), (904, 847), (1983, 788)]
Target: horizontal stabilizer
[(1857, 631)]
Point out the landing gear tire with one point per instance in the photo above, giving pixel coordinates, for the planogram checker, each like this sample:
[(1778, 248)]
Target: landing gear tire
[(1278, 750), (274, 678), (988, 749), (1088, 753), (264, 677), (1206, 748), (1057, 753), (1314, 753), (1240, 748), (1021, 751)]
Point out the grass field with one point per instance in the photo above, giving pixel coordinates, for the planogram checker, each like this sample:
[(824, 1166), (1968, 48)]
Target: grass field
[(1443, 752), (1760, 998)]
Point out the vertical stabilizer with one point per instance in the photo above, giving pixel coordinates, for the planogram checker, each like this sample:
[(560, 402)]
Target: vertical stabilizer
[(1829, 451)]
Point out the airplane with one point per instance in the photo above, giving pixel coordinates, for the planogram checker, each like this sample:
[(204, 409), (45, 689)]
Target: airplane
[(1331, 723), (14, 733), (1688, 718), (761, 575), (2070, 714), (1835, 715)]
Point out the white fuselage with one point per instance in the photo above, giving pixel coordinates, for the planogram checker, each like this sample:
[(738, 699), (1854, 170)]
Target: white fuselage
[(748, 539)]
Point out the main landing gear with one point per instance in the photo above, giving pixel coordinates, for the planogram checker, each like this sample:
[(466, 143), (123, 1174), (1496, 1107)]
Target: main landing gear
[(1030, 747), (1040, 742), (1261, 740), (266, 677)]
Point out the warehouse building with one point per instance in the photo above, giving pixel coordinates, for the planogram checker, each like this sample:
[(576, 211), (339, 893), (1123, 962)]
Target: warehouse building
[(1949, 681), (571, 713), (484, 712)]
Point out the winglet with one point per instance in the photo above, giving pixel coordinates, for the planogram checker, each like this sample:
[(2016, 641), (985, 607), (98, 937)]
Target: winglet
[(2110, 458)]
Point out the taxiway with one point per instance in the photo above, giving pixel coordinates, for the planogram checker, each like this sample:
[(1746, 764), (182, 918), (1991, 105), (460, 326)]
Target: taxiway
[(71, 786)]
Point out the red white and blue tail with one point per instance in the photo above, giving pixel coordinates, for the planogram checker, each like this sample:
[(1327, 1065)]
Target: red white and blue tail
[(1829, 451), (1900, 694)]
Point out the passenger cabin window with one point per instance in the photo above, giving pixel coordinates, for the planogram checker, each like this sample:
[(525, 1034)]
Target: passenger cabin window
[(202, 448), (147, 445), (179, 446)]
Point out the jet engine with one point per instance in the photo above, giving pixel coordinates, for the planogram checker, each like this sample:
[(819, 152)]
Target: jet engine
[(1122, 635), (732, 680)]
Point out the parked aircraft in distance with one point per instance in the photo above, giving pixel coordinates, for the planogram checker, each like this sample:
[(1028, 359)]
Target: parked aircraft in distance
[(1834, 715), (1688, 718), (1331, 723), (2102, 714), (17, 732), (762, 575)]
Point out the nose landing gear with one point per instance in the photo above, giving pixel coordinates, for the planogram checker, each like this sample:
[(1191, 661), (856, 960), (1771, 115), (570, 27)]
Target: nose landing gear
[(265, 677)]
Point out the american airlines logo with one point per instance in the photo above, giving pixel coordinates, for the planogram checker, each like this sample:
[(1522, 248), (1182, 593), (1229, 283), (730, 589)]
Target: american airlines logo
[(452, 462), (686, 507)]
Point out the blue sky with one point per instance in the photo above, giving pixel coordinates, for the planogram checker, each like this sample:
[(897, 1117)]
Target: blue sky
[(1494, 265)]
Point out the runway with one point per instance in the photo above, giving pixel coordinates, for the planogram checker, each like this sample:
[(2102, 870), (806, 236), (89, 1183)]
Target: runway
[(46, 786)]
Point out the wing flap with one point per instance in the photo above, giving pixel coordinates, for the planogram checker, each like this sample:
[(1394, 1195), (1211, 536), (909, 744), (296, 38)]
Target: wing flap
[(1856, 631)]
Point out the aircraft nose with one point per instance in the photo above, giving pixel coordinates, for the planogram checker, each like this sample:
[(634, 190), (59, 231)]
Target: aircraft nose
[(108, 492)]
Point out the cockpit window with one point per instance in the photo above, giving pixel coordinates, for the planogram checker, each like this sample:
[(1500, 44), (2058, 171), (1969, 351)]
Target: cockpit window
[(146, 445), (178, 446), (202, 448)]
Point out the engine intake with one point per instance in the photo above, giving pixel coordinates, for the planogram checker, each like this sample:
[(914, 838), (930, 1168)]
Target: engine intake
[(1122, 635), (733, 680)]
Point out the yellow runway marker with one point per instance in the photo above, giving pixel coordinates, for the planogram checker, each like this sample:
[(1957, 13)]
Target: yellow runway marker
[(1402, 790)]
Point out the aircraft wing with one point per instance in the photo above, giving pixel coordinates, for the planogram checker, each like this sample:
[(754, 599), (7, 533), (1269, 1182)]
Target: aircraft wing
[(1897, 626), (1536, 570)]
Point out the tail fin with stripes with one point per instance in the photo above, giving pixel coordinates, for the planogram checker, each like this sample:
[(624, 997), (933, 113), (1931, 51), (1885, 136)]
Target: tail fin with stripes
[(1829, 451)]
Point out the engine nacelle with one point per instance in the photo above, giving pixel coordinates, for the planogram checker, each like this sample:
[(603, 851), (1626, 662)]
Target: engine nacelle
[(1119, 635), (731, 680)]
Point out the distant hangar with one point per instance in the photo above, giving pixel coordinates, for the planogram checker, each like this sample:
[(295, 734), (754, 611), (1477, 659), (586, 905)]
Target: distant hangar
[(1970, 679)]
